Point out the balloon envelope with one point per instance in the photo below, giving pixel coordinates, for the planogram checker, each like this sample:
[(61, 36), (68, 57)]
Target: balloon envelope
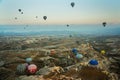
[(21, 68), (72, 4), (44, 17), (75, 51), (32, 68), (28, 60), (93, 62), (67, 25), (79, 56), (103, 51), (15, 18), (104, 24), (19, 10)]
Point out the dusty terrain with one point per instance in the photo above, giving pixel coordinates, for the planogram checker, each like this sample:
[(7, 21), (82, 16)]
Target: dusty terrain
[(62, 65)]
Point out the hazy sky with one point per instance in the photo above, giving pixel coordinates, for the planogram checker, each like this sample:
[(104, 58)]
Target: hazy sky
[(60, 11)]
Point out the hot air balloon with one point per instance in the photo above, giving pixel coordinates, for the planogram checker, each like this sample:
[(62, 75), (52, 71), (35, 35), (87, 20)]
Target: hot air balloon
[(104, 24), (24, 27), (32, 68), (70, 35), (93, 62), (19, 10), (36, 16), (67, 25), (28, 60), (44, 17), (21, 68), (75, 51), (15, 18), (79, 56), (72, 4), (103, 52)]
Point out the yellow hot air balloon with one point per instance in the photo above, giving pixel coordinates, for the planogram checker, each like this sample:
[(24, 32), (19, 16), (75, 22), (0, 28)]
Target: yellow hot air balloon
[(103, 52)]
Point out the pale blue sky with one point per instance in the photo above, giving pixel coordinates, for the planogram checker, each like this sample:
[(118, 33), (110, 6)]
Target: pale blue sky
[(60, 11)]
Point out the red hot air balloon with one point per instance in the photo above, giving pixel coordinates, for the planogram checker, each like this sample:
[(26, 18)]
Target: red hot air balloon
[(32, 68)]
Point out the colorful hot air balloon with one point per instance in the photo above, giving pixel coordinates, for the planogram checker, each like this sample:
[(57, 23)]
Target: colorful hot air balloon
[(44, 17), (72, 4), (32, 69)]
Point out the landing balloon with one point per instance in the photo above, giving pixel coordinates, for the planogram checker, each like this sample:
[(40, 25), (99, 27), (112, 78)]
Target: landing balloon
[(79, 56), (32, 68), (103, 52)]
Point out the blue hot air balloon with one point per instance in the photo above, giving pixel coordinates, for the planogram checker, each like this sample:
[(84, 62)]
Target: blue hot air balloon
[(93, 62), (75, 51)]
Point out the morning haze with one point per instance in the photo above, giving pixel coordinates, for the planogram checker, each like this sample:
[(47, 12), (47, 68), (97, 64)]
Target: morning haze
[(59, 11)]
